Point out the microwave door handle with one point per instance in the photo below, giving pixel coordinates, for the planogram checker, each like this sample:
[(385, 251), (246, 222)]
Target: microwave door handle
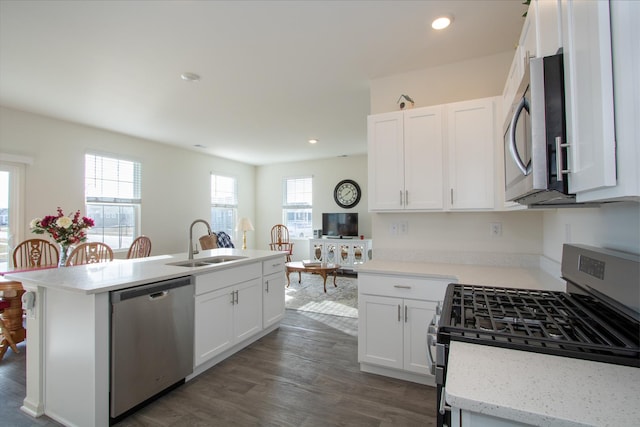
[(513, 149)]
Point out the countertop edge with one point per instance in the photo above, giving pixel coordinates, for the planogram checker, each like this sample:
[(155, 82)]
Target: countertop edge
[(119, 274)]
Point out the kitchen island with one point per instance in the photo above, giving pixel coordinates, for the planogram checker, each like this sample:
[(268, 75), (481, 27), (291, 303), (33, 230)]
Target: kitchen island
[(69, 325)]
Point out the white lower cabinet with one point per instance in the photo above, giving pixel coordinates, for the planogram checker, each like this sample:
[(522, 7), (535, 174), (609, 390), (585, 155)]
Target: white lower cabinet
[(394, 332), (273, 285), (228, 309), (393, 314)]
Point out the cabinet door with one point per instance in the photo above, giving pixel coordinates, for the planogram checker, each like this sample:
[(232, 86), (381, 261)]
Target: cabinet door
[(273, 298), (380, 331), (471, 140), (248, 309), (417, 314), (588, 77), (213, 324), (423, 159), (385, 161), (548, 26)]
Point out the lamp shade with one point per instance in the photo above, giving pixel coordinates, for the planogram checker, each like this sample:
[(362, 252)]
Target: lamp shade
[(244, 225)]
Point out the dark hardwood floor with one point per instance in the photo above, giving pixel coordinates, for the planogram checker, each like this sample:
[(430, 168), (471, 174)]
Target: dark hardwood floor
[(304, 374)]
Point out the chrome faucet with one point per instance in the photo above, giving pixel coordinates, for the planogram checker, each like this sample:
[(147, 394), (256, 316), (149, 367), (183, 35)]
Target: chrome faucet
[(191, 251)]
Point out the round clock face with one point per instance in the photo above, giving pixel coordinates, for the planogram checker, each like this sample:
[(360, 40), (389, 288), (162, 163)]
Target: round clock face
[(347, 193)]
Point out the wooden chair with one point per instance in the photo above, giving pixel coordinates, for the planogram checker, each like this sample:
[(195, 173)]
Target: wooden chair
[(140, 248), (90, 253), (35, 253), (12, 331), (280, 240)]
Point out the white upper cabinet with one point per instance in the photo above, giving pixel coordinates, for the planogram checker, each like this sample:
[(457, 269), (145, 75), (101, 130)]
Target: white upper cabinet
[(386, 161), (589, 94), (406, 160), (433, 158), (625, 37), (548, 26), (424, 158), (471, 139)]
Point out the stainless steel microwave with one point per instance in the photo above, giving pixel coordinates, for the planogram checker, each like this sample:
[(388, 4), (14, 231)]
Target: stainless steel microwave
[(535, 137)]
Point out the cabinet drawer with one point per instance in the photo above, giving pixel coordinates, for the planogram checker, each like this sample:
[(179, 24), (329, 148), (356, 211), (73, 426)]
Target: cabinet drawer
[(271, 266), (220, 279), (403, 287)]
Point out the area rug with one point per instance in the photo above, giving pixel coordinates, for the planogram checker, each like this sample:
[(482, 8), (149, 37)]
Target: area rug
[(309, 296)]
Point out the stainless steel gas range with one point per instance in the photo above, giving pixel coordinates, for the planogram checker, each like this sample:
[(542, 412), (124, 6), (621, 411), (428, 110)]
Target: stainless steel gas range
[(597, 319)]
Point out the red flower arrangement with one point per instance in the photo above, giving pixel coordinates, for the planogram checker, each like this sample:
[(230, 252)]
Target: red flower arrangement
[(63, 229)]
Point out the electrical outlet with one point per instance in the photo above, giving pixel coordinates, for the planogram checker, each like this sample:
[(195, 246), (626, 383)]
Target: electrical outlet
[(495, 229), (393, 229), (404, 227)]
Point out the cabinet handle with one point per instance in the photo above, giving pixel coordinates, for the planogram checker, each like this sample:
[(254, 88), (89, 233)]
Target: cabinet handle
[(559, 166), (233, 297), (276, 265), (399, 316), (402, 286), (406, 197), (400, 197), (406, 316), (452, 196), (237, 297), (267, 282)]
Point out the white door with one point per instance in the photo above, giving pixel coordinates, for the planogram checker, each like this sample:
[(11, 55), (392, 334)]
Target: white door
[(423, 158), (213, 324), (273, 298), (417, 315), (248, 309), (589, 94), (471, 139), (386, 161), (380, 331)]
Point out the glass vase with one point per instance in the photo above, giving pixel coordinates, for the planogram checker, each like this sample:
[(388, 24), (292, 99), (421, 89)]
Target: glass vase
[(64, 252)]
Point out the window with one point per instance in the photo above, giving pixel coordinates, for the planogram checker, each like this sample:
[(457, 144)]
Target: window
[(224, 203), (12, 173), (112, 195), (297, 206)]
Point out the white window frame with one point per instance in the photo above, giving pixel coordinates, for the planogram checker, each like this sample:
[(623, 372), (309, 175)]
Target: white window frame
[(121, 201), (16, 167), (218, 201), (302, 202)]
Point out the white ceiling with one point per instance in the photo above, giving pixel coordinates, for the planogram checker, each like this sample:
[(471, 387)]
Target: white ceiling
[(274, 73)]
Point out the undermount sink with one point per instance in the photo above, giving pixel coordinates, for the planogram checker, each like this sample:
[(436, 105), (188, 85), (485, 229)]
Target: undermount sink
[(208, 261)]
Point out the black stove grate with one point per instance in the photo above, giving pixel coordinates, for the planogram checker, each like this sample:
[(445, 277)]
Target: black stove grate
[(544, 321)]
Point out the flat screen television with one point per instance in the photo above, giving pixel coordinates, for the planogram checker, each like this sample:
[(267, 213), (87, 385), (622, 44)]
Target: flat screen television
[(340, 224)]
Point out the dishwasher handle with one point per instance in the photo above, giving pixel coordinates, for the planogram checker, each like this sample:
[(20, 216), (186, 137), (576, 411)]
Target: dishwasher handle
[(152, 290)]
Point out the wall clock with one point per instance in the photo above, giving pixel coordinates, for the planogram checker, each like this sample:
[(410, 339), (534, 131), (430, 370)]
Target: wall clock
[(347, 193)]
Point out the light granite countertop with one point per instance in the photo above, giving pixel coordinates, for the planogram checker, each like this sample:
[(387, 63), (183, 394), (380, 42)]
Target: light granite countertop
[(541, 389), (484, 275), (120, 273)]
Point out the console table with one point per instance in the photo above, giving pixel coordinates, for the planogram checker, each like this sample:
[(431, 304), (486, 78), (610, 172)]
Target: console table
[(349, 253)]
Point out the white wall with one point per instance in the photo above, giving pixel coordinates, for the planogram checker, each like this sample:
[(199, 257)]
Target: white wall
[(477, 78), (175, 182), (326, 174), (613, 226)]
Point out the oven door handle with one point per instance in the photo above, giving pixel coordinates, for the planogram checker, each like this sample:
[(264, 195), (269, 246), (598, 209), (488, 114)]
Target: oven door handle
[(430, 343), (513, 149), (444, 408)]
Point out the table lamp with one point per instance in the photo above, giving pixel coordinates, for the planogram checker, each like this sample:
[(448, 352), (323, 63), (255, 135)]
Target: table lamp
[(244, 225)]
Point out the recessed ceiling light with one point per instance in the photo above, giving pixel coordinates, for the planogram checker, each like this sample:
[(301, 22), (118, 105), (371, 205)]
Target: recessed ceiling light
[(190, 77), (313, 141), (200, 146), (442, 22)]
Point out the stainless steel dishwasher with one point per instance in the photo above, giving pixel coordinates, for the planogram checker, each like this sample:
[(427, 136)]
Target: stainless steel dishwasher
[(151, 341)]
